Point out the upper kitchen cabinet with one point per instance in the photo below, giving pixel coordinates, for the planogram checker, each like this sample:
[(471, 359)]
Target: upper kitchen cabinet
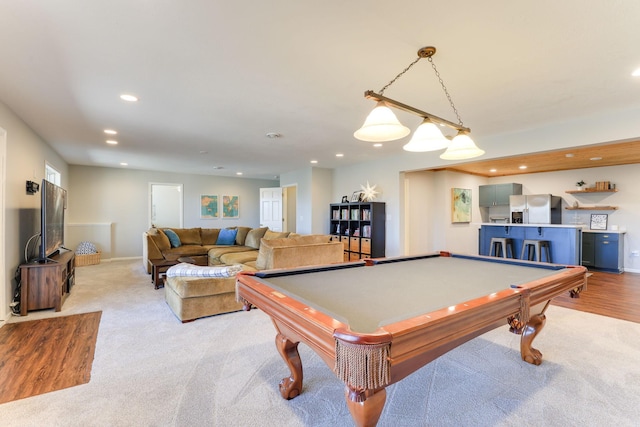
[(497, 194)]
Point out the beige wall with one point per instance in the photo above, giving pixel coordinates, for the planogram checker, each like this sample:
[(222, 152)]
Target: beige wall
[(26, 156), (313, 195), (120, 196)]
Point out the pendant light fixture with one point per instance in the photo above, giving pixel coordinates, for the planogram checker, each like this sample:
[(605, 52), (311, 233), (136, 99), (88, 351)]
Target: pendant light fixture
[(382, 125)]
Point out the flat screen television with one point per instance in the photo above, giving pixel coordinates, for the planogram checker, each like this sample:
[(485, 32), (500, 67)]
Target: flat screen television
[(51, 219)]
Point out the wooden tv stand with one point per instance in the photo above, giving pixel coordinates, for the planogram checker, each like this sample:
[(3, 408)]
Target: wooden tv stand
[(46, 285)]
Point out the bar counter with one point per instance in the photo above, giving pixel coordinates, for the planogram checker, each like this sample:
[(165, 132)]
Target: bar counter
[(565, 240)]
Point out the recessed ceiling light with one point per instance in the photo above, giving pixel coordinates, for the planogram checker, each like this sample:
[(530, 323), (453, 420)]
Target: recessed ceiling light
[(596, 158), (124, 164), (493, 170), (128, 97), (339, 155), (377, 144), (112, 142), (636, 72), (569, 155), (110, 132), (203, 151), (313, 161), (238, 173), (273, 135), (217, 167), (523, 167)]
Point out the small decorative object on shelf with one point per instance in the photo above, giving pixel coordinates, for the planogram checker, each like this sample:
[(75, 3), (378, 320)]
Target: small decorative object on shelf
[(345, 199), (604, 186), (368, 193), (579, 185)]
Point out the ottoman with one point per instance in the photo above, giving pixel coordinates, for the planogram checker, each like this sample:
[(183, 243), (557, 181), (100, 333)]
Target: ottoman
[(193, 297)]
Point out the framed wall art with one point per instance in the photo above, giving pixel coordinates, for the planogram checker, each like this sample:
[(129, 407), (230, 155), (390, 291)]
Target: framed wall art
[(230, 206), (460, 205), (599, 221), (208, 207)]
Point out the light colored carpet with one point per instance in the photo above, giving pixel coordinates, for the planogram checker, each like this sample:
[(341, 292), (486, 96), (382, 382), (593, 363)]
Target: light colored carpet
[(151, 370)]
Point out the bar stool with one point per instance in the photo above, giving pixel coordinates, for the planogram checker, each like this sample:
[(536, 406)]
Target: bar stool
[(533, 249), (502, 245)]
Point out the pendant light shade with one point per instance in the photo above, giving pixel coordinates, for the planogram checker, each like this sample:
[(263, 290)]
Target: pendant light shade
[(381, 125), (461, 147), (427, 138)]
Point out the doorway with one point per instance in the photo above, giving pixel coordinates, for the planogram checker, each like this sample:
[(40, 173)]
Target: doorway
[(278, 208), (165, 205)]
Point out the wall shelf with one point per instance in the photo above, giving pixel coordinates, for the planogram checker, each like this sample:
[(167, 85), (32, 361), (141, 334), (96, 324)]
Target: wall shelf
[(591, 190), (592, 208)]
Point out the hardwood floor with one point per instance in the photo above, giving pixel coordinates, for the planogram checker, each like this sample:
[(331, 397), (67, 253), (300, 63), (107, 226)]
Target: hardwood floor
[(44, 355), (608, 294)]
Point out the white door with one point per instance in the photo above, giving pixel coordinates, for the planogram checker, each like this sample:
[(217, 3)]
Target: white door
[(271, 208)]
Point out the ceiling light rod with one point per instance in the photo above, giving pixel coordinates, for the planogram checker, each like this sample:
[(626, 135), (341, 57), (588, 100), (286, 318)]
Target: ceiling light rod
[(369, 94)]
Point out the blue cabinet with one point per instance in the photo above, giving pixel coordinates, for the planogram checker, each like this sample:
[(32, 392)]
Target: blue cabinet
[(588, 249), (604, 251)]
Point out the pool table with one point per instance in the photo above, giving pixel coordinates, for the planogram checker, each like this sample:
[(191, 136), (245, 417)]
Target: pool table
[(376, 321)]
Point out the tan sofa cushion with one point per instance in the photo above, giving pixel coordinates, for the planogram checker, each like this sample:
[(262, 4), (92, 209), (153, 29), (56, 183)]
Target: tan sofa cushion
[(242, 235), (188, 236), (239, 257), (173, 254), (297, 252), (161, 240), (269, 235), (189, 287), (209, 236), (217, 251), (254, 236)]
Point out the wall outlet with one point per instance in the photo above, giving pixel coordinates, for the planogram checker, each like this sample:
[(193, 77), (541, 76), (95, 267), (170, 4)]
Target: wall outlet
[(635, 253)]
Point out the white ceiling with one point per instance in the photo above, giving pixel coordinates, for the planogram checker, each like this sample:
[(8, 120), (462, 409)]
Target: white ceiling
[(217, 75)]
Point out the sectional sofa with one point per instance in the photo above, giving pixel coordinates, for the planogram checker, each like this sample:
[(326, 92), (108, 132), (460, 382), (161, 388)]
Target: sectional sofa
[(191, 298)]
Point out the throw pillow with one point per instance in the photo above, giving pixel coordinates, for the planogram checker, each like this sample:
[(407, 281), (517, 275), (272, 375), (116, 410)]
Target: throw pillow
[(227, 236), (161, 240), (275, 235), (253, 237), (86, 248), (173, 238)]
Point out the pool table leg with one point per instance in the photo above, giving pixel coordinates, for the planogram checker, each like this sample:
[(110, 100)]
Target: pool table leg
[(291, 386), (529, 332), (365, 406)]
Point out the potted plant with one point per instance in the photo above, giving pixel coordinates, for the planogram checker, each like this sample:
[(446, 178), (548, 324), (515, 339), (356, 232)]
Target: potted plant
[(580, 184)]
